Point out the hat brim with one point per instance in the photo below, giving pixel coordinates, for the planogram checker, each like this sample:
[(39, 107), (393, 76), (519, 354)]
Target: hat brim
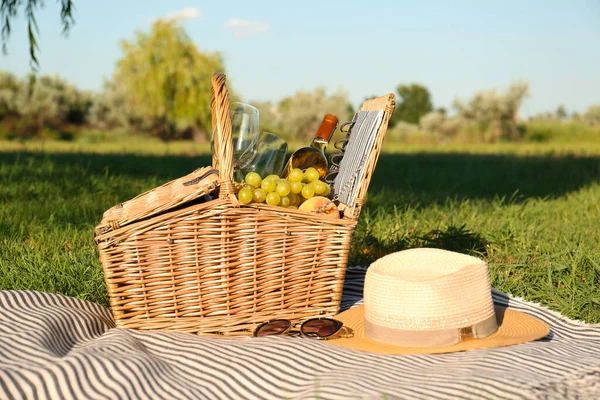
[(514, 327)]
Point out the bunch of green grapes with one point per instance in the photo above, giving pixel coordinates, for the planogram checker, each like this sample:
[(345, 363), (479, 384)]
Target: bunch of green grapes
[(291, 192)]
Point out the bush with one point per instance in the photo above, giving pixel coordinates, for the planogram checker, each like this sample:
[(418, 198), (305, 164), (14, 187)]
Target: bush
[(592, 115), (432, 121), (539, 131), (450, 127), (68, 134), (545, 131), (410, 133), (494, 114), (41, 107), (4, 134), (111, 110)]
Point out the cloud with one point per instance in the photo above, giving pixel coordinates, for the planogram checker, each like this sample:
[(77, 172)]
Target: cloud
[(245, 28), (184, 13)]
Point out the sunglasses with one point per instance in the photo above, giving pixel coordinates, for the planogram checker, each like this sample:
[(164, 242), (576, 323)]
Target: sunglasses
[(318, 328)]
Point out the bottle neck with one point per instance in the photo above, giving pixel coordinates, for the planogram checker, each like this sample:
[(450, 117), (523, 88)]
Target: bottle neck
[(326, 128), (319, 143)]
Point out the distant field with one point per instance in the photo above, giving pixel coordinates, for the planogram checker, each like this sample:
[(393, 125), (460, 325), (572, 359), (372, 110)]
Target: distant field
[(532, 211), (118, 145)]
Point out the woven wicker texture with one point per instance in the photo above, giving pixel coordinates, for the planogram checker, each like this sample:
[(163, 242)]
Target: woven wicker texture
[(166, 197), (218, 267)]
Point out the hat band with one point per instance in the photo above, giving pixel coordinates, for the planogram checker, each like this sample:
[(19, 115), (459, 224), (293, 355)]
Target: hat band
[(442, 337)]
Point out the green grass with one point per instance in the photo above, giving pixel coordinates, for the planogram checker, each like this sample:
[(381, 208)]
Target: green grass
[(532, 211)]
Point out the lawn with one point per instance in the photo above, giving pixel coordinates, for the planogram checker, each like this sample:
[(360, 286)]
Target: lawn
[(531, 210)]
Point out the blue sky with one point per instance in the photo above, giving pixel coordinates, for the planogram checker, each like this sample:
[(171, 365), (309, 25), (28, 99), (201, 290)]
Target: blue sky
[(274, 48)]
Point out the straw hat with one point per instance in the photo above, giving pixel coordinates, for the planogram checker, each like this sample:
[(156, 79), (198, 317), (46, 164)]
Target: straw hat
[(426, 300)]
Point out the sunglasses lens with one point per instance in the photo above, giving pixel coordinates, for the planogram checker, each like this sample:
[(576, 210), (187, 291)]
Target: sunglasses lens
[(275, 327), (321, 327)]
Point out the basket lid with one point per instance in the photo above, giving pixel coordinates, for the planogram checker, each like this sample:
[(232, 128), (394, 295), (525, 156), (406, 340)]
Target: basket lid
[(195, 185), (360, 152)]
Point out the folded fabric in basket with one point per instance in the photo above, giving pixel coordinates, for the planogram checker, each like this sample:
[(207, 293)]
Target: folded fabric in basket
[(356, 155)]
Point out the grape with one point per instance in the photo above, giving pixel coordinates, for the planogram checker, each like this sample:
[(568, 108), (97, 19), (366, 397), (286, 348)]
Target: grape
[(294, 199), (296, 175), (285, 201), (296, 187), (320, 187), (260, 195), (245, 195), (272, 176), (273, 199), (327, 190), (293, 207), (253, 179), (268, 185), (308, 191), (283, 188), (311, 174)]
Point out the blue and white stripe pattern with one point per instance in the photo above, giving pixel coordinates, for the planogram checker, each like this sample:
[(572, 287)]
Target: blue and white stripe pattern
[(362, 137), (56, 347)]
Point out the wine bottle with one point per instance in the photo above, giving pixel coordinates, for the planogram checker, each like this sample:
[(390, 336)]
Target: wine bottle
[(314, 155)]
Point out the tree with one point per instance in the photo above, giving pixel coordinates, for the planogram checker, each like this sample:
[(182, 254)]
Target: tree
[(269, 116), (592, 115), (301, 114), (561, 113), (9, 10), (10, 86), (415, 101), (166, 79), (495, 111)]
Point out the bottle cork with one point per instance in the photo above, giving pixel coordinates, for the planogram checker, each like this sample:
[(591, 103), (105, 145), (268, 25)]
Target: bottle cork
[(327, 127)]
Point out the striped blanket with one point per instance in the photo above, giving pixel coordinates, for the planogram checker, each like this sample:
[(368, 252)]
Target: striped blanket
[(56, 347)]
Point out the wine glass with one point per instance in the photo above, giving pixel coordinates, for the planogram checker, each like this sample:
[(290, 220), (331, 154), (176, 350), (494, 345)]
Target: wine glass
[(269, 157), (244, 134)]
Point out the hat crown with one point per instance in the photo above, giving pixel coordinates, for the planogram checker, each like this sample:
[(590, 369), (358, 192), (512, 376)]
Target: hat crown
[(423, 301), (423, 264), (427, 290)]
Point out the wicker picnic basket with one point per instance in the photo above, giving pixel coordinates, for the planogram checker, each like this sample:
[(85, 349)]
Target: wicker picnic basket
[(174, 259)]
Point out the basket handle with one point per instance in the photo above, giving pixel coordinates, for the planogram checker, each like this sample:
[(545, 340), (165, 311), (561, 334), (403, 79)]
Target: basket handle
[(221, 124)]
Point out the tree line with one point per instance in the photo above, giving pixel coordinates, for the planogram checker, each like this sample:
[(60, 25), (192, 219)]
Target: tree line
[(161, 87)]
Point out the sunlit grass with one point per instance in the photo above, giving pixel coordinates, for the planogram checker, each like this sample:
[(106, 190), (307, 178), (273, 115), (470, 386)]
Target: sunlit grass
[(531, 210), (111, 144)]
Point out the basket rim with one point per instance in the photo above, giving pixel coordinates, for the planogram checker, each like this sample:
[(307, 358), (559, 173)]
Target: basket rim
[(158, 200), (220, 207)]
